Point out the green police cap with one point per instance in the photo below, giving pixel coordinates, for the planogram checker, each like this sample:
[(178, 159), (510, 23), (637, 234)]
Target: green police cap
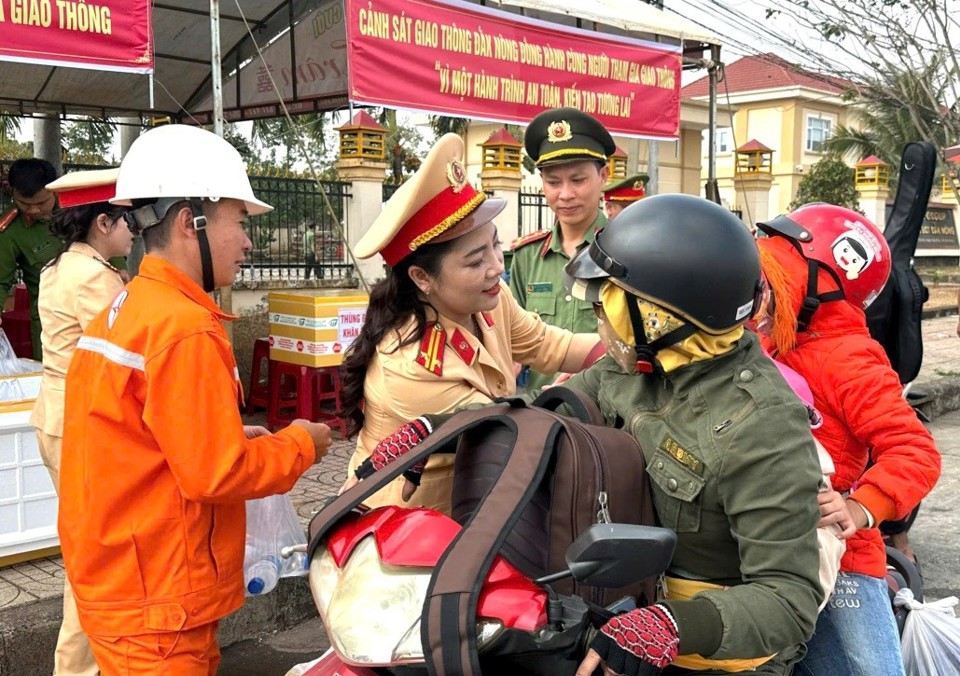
[(561, 135)]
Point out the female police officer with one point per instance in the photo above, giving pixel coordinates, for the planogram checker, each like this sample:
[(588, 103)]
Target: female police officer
[(442, 330), (727, 443)]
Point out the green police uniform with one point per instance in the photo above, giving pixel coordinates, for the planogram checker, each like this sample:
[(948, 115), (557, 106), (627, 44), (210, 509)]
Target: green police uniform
[(536, 280), (29, 248), (734, 472)]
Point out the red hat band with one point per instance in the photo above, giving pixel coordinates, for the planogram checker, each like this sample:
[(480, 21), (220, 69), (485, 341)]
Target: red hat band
[(435, 217)]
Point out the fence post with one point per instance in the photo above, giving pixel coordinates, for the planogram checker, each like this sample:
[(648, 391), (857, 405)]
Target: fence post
[(366, 199)]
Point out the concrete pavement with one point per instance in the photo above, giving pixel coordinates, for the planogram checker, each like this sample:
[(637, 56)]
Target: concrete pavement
[(30, 593)]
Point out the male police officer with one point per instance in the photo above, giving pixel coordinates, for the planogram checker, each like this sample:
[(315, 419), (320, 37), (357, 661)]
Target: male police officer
[(621, 193), (26, 243), (571, 149)]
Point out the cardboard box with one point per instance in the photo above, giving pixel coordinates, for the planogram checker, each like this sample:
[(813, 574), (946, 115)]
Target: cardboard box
[(314, 327), (28, 501)]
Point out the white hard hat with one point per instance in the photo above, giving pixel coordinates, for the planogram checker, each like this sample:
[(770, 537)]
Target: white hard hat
[(179, 161)]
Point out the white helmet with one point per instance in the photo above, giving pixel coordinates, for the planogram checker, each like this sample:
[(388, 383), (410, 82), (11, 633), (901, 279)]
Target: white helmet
[(178, 161)]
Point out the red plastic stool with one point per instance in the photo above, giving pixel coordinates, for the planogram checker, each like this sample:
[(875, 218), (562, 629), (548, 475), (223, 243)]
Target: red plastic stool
[(290, 387), (327, 388), (258, 395)]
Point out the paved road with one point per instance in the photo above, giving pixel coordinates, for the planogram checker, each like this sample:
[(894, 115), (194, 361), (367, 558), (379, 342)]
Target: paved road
[(936, 533)]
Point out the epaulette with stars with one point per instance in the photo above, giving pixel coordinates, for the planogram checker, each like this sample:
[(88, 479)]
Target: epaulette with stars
[(527, 239), (430, 355), (7, 219)]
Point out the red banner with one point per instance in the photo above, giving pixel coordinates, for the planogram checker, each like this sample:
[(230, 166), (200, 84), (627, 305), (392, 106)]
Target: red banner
[(112, 35), (464, 60)]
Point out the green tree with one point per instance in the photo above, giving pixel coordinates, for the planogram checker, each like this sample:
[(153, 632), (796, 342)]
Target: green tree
[(402, 145), (89, 140), (903, 56), (441, 125), (891, 109), (830, 180), (9, 126), (282, 145)]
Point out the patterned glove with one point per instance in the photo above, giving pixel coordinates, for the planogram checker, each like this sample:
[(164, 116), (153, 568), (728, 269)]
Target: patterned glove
[(638, 643), (406, 437)]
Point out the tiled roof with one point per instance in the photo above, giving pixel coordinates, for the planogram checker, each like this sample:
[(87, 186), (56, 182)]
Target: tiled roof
[(766, 71)]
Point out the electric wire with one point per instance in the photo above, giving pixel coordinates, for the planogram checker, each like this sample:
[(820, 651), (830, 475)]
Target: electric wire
[(298, 138)]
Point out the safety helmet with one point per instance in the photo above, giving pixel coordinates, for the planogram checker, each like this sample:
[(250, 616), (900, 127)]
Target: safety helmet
[(684, 253), (177, 162), (845, 244)]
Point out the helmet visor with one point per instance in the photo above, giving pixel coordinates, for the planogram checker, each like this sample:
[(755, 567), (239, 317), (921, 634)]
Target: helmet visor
[(583, 277)]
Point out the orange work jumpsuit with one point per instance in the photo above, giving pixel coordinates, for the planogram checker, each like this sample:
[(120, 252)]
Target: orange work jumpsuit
[(154, 475)]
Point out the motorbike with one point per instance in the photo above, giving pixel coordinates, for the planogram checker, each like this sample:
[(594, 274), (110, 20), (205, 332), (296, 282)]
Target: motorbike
[(371, 576)]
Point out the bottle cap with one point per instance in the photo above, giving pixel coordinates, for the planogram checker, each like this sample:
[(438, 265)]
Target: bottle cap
[(255, 585)]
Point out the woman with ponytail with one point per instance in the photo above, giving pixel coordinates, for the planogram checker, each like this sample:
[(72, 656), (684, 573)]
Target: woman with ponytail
[(442, 330)]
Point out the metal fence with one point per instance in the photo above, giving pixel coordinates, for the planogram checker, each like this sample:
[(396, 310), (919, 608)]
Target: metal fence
[(534, 214), (279, 237)]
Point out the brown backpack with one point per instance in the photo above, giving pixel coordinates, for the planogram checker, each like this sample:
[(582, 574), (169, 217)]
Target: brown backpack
[(527, 481)]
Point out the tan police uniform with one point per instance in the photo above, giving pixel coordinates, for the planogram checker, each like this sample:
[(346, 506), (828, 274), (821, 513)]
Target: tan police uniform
[(71, 293), (448, 367)]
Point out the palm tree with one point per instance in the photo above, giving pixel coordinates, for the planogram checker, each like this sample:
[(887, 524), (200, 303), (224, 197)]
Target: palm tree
[(895, 108), (9, 126)]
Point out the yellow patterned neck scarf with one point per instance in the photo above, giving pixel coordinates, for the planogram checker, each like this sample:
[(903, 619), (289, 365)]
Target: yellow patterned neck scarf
[(657, 322)]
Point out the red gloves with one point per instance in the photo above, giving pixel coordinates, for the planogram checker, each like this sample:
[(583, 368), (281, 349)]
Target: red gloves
[(406, 437), (638, 643)]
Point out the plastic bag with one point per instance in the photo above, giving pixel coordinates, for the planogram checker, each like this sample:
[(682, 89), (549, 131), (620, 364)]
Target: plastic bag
[(10, 363), (931, 636), (272, 524)]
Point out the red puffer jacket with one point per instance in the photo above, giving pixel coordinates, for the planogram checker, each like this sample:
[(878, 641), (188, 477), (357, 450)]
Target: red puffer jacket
[(860, 398)]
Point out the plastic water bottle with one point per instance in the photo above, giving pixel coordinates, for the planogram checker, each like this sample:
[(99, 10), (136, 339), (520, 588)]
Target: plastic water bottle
[(262, 576)]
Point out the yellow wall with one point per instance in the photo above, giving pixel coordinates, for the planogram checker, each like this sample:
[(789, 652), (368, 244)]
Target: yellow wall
[(781, 125)]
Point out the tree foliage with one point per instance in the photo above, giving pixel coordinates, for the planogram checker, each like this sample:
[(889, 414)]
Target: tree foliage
[(89, 140), (904, 58), (830, 180)]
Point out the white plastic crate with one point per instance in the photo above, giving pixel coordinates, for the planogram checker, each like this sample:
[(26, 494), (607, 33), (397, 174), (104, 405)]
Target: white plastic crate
[(28, 501)]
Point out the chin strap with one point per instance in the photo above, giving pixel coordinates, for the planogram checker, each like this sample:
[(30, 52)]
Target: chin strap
[(206, 260), (647, 351), (812, 300)]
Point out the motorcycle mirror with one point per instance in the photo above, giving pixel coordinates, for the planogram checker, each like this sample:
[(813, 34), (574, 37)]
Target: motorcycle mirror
[(615, 555)]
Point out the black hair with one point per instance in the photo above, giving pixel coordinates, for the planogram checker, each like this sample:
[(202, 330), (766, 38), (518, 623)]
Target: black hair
[(73, 224), (393, 300), (29, 176)]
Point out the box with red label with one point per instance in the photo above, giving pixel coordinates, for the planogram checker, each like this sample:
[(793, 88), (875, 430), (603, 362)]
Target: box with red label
[(314, 327)]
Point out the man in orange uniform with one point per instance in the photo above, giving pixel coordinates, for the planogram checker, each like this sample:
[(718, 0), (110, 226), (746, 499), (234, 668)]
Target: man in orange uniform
[(156, 461)]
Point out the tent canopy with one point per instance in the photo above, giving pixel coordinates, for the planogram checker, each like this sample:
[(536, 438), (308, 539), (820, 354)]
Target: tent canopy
[(183, 54)]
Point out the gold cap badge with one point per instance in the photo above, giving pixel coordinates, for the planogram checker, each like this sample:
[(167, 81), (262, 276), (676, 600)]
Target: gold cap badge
[(457, 175), (559, 131)]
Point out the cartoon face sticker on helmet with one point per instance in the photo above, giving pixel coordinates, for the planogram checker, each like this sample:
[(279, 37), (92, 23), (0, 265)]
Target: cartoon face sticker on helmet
[(855, 249)]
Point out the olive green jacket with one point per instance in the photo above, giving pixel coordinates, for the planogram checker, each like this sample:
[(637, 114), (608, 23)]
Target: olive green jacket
[(29, 248), (536, 280), (734, 472)]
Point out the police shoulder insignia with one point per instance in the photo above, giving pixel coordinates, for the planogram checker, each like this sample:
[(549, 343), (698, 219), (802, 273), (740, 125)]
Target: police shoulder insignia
[(430, 355), (671, 447), (527, 239), (7, 219)]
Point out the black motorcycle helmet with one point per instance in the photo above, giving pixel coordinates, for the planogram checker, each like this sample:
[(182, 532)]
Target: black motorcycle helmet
[(683, 253)]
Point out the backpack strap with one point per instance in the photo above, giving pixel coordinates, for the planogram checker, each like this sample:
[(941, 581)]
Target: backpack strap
[(448, 624), (447, 435), (583, 407)]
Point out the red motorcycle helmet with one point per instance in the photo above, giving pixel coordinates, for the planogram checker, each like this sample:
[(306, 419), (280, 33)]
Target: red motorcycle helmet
[(842, 242)]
